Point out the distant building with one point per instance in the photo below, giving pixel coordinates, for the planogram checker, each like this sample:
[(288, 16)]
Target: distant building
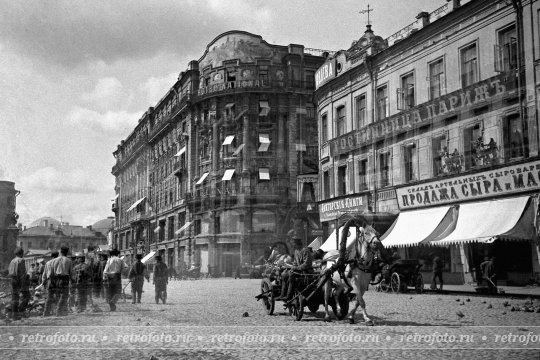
[(8, 222), (47, 236)]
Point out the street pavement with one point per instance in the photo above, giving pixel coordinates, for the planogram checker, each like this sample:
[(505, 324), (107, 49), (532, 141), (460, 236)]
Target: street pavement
[(221, 319)]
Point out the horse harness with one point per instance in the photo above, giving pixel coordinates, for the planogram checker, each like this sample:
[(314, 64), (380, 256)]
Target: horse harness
[(360, 261)]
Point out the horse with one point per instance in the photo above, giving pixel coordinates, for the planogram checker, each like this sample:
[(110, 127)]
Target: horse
[(361, 261)]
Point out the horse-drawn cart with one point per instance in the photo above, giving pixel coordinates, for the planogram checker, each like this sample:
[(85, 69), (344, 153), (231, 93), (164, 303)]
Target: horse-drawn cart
[(307, 293), (400, 275)]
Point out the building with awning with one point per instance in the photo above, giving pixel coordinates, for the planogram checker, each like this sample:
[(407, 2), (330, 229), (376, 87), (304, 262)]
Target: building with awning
[(458, 159)]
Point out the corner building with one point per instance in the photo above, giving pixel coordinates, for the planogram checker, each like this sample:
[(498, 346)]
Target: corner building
[(208, 176), (439, 124)]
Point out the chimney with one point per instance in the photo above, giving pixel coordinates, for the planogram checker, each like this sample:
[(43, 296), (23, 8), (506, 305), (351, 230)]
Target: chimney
[(46, 223), (455, 4), (424, 16)]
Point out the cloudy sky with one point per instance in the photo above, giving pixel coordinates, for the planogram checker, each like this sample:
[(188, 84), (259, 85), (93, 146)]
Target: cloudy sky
[(75, 76)]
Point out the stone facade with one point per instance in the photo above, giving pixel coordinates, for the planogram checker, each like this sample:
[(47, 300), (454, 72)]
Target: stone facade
[(208, 176)]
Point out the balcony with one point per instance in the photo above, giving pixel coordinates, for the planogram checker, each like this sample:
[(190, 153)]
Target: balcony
[(140, 216)]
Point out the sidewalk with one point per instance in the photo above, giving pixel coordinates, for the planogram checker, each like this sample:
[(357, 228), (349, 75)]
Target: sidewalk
[(519, 291)]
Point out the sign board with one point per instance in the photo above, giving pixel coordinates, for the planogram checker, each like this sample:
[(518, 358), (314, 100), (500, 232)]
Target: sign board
[(317, 232), (325, 73), (331, 210), (502, 181)]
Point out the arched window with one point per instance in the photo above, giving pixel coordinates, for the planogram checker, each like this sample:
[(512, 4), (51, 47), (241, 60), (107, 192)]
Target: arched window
[(263, 221)]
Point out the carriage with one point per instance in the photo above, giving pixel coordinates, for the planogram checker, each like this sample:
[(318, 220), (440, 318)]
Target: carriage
[(400, 275), (307, 294)]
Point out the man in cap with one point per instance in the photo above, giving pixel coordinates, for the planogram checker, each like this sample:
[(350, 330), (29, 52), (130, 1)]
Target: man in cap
[(97, 284), (62, 270), (160, 280), (80, 280), (49, 283), (302, 264), (137, 273), (112, 274), (20, 295)]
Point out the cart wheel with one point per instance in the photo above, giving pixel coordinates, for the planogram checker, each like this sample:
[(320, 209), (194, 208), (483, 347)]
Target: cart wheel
[(268, 301), (395, 282), (419, 285), (383, 286), (296, 309)]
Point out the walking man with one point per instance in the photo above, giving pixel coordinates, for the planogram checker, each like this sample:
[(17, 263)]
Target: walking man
[(49, 283), (80, 280), (160, 280), (62, 270), (20, 295), (437, 273), (99, 267), (112, 275), (136, 275)]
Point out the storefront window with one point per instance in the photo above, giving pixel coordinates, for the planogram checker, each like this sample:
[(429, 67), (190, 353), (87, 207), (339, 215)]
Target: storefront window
[(263, 221)]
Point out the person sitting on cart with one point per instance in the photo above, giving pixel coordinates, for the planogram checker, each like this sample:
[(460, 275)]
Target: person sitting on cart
[(302, 264)]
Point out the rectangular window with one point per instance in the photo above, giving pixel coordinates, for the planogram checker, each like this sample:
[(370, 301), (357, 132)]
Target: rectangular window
[(384, 169), (439, 151), (310, 79), (342, 181), (382, 102), (409, 162), (362, 174), (469, 65), (436, 79), (326, 184), (197, 226), (324, 128), (171, 228), (470, 136), (263, 73), (506, 50), (360, 105), (341, 121), (516, 138), (405, 94)]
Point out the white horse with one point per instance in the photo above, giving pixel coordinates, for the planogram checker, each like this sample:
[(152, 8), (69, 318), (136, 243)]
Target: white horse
[(360, 257)]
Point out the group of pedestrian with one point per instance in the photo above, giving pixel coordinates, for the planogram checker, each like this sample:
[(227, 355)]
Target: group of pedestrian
[(73, 282)]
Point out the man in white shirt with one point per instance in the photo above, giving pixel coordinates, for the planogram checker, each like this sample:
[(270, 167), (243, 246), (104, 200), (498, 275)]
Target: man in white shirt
[(112, 276)]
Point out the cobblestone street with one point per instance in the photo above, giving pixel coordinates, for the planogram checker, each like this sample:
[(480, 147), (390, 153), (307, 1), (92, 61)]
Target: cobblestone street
[(207, 318)]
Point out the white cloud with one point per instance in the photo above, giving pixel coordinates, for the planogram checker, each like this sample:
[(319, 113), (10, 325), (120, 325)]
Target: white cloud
[(156, 87), (52, 180), (108, 93), (120, 122)]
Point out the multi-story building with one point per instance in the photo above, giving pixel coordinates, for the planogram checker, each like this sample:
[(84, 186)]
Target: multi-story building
[(439, 123), (8, 222), (208, 176), (51, 234)]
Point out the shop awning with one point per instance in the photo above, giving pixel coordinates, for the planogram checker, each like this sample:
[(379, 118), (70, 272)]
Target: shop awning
[(201, 179), (229, 105), (148, 256), (156, 230), (238, 149), (228, 174), (228, 140), (182, 150), (315, 244), (330, 243), (184, 227), (264, 174), (419, 226), (265, 108), (135, 204), (487, 221)]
